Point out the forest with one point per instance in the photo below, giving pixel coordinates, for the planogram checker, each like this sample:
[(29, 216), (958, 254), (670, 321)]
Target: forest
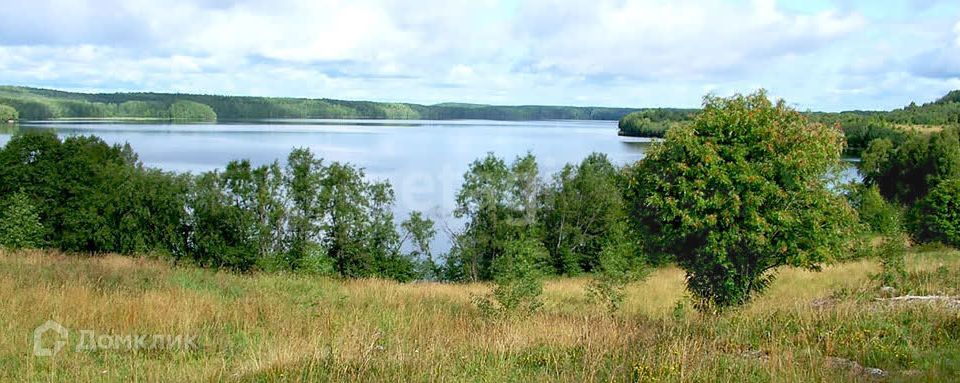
[(43, 104)]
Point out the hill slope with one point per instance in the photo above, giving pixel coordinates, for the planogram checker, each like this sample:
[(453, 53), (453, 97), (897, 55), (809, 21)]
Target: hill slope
[(41, 104)]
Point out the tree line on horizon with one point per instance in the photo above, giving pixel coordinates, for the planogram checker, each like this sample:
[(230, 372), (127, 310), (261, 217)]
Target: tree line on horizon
[(41, 104), (742, 190), (859, 127)]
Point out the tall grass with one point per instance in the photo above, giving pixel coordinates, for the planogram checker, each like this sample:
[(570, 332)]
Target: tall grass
[(295, 328)]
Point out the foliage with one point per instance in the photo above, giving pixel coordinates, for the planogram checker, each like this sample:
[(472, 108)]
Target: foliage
[(878, 214), (497, 201), (940, 212), (653, 122), (190, 110), (892, 254), (420, 231), (37, 104), (20, 225), (739, 193), (8, 113), (517, 280), (907, 172), (304, 217), (620, 264), (580, 210)]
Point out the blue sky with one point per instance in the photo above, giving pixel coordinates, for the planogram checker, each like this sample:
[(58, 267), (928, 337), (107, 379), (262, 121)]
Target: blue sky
[(819, 55)]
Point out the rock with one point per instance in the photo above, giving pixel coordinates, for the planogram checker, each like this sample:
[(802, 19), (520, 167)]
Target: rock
[(844, 364), (874, 372), (854, 368)]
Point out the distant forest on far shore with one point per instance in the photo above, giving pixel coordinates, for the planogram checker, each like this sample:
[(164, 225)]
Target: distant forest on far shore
[(859, 127), (45, 104)]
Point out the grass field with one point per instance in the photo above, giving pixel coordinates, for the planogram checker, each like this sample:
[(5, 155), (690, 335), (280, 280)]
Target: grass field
[(294, 328)]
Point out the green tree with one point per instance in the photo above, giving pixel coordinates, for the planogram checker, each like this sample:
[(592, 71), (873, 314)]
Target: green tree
[(940, 212), (484, 199), (906, 172), (501, 205), (739, 193), (879, 215), (518, 281), (580, 209), (420, 231), (237, 216), (8, 113), (344, 191), (20, 225), (303, 177)]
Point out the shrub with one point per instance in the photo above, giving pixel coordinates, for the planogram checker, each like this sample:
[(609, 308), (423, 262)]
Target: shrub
[(739, 193), (892, 256), (518, 281), (20, 223), (8, 113), (878, 214), (619, 266), (938, 217)]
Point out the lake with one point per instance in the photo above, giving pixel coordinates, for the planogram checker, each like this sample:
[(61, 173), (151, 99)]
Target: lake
[(424, 160)]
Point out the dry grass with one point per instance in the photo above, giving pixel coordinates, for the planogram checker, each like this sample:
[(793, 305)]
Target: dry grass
[(919, 128), (295, 328)]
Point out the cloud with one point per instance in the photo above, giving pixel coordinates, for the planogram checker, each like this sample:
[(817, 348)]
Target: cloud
[(580, 52), (653, 39), (942, 62)]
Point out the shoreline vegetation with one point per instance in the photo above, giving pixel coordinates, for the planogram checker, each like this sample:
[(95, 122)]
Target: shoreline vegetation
[(725, 251), (859, 127), (46, 104)]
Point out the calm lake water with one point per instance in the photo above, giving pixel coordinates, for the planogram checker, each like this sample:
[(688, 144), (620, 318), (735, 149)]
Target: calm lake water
[(424, 160)]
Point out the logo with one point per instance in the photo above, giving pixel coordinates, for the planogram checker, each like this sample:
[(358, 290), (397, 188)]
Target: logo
[(60, 335)]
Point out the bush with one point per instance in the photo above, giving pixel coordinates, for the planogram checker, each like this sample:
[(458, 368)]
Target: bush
[(20, 223), (619, 266), (939, 214), (878, 214), (892, 256), (739, 193), (8, 113), (518, 281)]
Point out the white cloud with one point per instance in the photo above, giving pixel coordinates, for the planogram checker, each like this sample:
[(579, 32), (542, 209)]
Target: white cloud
[(648, 38), (606, 52)]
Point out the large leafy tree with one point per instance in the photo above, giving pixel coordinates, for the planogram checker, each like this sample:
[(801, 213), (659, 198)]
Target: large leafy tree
[(740, 192)]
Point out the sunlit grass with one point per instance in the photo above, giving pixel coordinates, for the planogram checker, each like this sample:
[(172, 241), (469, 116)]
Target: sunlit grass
[(295, 328)]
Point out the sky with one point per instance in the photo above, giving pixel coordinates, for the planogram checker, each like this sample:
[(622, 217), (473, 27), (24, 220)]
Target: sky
[(815, 54)]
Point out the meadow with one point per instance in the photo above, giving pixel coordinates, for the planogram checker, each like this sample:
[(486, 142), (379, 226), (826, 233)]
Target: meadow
[(810, 326)]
